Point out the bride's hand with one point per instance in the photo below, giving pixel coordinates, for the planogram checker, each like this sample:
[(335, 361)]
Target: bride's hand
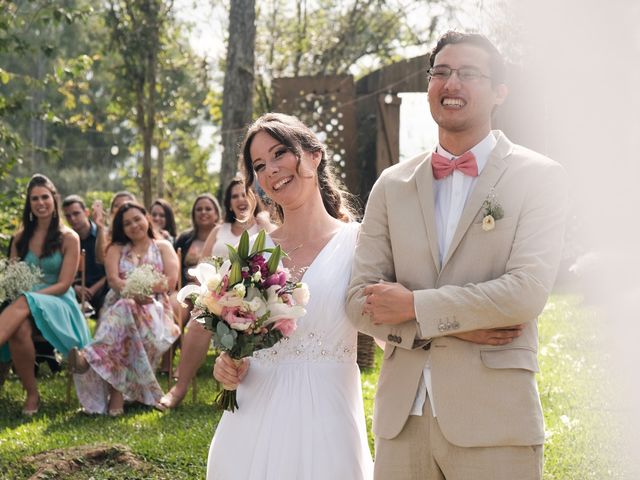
[(227, 372), (492, 336)]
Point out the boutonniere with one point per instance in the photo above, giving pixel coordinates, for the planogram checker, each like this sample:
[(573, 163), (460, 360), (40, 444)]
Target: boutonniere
[(492, 212)]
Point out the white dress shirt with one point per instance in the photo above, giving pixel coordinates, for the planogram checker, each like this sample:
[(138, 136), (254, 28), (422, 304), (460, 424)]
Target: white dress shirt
[(450, 196)]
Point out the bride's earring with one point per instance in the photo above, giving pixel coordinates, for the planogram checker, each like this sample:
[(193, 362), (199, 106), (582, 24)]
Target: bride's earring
[(31, 216)]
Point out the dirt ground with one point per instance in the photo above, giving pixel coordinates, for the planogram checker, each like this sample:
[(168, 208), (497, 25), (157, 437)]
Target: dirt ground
[(95, 461)]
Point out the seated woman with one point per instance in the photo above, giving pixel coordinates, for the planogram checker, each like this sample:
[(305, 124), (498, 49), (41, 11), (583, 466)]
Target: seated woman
[(133, 333), (243, 211), (43, 241), (205, 217), (163, 219)]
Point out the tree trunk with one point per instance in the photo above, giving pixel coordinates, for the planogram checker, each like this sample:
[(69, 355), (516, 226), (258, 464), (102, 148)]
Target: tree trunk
[(150, 123), (160, 179), (237, 97)]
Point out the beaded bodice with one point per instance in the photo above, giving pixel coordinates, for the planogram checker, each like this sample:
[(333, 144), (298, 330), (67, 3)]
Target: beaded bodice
[(324, 334)]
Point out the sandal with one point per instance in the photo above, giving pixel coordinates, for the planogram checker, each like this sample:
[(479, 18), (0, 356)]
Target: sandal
[(30, 412), (169, 401)]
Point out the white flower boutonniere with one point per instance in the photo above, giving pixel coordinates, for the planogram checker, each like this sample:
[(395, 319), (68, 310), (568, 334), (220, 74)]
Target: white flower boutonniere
[(492, 212)]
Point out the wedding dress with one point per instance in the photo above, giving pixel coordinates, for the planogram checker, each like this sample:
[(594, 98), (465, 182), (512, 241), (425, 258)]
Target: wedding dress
[(301, 414)]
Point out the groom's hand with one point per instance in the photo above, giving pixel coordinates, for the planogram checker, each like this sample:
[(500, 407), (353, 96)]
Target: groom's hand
[(388, 303), (492, 336)]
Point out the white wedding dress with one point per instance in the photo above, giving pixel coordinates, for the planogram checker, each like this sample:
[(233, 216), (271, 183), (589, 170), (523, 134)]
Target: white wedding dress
[(300, 413)]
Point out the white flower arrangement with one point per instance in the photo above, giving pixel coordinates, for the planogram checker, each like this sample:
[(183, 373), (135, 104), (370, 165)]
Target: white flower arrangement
[(17, 278), (492, 211), (141, 280)]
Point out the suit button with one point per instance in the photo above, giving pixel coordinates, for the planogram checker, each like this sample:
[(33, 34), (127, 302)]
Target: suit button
[(390, 337)]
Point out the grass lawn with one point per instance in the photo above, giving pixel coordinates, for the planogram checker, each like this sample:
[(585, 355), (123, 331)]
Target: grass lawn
[(574, 387)]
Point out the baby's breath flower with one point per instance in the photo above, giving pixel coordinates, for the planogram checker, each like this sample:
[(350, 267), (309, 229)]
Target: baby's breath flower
[(17, 278), (141, 280)]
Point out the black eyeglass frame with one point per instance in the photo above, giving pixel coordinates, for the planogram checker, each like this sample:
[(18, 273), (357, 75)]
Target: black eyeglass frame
[(477, 74)]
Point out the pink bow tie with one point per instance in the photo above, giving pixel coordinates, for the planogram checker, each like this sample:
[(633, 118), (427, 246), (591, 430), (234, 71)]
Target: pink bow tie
[(443, 167)]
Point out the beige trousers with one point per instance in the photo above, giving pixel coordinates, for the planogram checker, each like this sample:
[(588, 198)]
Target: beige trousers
[(420, 452)]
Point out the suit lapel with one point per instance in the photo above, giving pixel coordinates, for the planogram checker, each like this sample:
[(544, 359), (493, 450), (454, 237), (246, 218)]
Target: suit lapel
[(488, 178), (424, 187)]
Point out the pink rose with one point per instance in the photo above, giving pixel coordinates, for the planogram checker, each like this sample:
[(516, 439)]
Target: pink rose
[(237, 318), (285, 325)]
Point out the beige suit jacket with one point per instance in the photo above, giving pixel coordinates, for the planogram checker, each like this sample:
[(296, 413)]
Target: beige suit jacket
[(483, 395)]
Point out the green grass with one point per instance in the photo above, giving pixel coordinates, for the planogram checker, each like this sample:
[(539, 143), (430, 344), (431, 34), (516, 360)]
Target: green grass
[(576, 389), (581, 438)]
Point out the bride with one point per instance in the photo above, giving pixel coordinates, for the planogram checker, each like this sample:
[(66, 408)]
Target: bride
[(301, 415)]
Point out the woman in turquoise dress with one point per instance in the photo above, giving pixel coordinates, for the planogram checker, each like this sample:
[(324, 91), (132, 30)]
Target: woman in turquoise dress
[(50, 307), (119, 365)]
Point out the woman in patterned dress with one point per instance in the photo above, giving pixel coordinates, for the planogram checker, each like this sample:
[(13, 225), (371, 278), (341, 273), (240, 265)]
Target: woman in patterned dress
[(133, 333)]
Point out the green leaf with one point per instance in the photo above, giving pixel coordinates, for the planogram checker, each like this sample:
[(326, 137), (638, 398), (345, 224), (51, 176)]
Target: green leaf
[(4, 76), (274, 260), (259, 242), (233, 254), (222, 329), (236, 273), (243, 246), (227, 341)]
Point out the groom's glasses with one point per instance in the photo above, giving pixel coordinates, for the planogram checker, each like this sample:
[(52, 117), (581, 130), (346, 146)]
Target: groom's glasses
[(465, 74)]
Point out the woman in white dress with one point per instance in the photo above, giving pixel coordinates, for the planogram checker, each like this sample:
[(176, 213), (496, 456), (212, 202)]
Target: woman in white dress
[(300, 413)]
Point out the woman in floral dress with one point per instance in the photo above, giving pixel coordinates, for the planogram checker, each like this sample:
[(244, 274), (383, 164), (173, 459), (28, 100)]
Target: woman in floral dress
[(134, 332)]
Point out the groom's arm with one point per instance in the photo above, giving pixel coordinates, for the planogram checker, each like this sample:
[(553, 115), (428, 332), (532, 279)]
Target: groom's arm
[(516, 297), (373, 262), (520, 294)]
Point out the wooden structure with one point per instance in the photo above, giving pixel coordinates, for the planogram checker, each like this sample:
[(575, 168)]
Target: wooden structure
[(326, 104)]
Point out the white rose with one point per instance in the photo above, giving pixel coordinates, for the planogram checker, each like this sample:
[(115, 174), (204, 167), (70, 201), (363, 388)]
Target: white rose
[(301, 294), (488, 223)]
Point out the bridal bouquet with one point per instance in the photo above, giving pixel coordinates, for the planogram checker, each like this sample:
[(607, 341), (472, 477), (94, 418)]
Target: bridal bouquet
[(141, 280), (247, 301), (16, 278)]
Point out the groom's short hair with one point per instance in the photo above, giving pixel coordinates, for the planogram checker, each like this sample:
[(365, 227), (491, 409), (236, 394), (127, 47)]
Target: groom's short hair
[(496, 60)]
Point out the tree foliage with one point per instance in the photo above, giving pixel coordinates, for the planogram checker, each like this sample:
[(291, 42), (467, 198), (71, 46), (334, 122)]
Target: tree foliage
[(330, 37), (67, 109)]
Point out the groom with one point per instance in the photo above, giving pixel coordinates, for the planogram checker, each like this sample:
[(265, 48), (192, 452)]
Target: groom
[(456, 257)]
